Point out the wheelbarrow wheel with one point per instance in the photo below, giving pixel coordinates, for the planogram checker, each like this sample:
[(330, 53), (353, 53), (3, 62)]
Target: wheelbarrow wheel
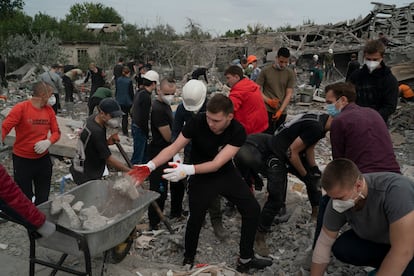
[(119, 252)]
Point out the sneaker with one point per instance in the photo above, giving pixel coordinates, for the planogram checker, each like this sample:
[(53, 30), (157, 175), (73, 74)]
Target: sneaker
[(188, 262), (256, 263)]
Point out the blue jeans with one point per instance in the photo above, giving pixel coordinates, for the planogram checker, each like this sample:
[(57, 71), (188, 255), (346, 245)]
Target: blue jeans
[(140, 145)]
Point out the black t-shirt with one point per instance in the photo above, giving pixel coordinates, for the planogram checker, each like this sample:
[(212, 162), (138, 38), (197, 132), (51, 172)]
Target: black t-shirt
[(97, 151), (206, 145), (161, 115), (141, 110), (309, 127)]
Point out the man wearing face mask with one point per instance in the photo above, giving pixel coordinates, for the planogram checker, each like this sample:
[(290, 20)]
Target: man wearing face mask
[(94, 144), (141, 107), (161, 123), (277, 82), (376, 86), (357, 133), (380, 210), (33, 120)]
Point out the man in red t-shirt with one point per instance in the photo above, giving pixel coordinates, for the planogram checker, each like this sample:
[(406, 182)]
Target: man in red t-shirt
[(32, 120)]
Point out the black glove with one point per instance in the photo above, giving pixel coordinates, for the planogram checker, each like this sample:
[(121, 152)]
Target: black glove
[(315, 171), (310, 178)]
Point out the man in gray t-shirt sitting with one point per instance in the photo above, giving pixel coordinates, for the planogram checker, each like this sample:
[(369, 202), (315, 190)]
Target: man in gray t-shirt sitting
[(379, 207)]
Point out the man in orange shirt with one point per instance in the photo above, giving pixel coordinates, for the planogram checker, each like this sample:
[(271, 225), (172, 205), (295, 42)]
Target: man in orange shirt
[(32, 120)]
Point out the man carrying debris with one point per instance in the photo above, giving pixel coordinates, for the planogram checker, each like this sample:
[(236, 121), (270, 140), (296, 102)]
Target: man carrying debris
[(55, 81), (32, 120), (291, 149), (277, 82), (215, 138), (379, 207), (93, 153), (376, 86)]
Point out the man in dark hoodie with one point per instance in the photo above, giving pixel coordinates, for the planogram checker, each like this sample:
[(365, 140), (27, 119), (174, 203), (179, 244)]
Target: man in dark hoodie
[(375, 85)]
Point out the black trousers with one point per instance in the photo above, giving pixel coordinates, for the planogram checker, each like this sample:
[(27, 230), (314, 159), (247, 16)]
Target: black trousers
[(92, 102), (127, 112), (351, 249), (160, 185), (203, 189), (33, 173)]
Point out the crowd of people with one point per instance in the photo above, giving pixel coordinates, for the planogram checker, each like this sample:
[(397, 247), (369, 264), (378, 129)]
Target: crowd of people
[(229, 144)]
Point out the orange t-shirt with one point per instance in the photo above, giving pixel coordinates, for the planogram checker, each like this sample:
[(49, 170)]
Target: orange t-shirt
[(406, 91), (31, 125)]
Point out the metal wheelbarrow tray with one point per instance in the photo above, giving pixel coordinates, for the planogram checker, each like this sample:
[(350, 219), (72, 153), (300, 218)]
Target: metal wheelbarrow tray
[(91, 243)]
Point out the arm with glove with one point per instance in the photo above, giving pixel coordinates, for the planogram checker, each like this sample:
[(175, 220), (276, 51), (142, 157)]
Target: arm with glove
[(284, 104)]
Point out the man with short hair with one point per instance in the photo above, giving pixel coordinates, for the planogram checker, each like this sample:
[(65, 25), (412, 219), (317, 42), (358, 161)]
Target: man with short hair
[(379, 207), (161, 121), (249, 108), (33, 120), (197, 73), (277, 82), (291, 149), (353, 65), (117, 72), (375, 85), (141, 107), (55, 81), (93, 153), (215, 138)]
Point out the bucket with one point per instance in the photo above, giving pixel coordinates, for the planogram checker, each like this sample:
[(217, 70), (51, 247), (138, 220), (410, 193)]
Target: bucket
[(305, 98)]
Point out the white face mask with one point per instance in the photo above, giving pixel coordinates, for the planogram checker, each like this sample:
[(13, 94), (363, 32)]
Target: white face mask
[(372, 65), (342, 205), (167, 99), (52, 100), (114, 122)]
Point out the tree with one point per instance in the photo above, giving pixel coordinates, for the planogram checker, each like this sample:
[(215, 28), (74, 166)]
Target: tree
[(235, 33), (89, 12), (44, 23), (8, 8), (258, 28), (194, 31), (36, 49)]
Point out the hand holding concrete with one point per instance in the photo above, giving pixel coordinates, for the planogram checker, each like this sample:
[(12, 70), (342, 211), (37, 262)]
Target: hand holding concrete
[(47, 229), (42, 146), (140, 172)]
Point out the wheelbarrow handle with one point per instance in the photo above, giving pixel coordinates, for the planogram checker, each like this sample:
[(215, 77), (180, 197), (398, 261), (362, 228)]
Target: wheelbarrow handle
[(154, 204)]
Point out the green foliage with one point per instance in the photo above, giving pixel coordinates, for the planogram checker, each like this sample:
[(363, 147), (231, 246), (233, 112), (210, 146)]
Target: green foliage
[(286, 28), (89, 12), (36, 49), (44, 23), (8, 8), (235, 33), (258, 28)]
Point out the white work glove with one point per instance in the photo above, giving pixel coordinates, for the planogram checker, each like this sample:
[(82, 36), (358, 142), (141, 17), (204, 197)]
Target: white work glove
[(178, 171), (47, 229), (42, 146), (177, 158)]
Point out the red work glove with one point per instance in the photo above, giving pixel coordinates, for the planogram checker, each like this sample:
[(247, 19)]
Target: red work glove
[(140, 172), (277, 115), (273, 103), (113, 139)]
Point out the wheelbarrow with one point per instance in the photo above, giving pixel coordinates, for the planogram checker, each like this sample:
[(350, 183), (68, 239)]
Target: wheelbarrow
[(126, 213)]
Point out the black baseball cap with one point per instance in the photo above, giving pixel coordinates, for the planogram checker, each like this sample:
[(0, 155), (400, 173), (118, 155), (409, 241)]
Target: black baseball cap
[(111, 107)]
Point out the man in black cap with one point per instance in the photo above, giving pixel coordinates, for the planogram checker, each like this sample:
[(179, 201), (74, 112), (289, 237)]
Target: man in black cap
[(93, 153)]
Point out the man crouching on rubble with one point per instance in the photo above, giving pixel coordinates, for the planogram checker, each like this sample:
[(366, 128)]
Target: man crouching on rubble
[(291, 149), (379, 207), (215, 138)]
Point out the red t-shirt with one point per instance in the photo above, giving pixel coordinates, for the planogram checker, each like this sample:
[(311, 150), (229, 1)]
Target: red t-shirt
[(31, 125)]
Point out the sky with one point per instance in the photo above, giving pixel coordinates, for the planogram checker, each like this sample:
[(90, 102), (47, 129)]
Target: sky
[(218, 16)]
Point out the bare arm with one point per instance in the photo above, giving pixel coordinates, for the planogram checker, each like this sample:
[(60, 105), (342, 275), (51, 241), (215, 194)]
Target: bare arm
[(294, 149), (115, 163), (322, 252), (402, 247), (286, 100), (165, 132)]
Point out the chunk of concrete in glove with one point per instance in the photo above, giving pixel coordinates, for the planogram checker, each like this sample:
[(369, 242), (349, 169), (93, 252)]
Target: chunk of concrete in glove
[(126, 187), (68, 217), (77, 206), (91, 219), (57, 203)]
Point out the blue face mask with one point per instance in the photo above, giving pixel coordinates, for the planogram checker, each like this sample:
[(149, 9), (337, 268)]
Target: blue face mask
[(331, 109)]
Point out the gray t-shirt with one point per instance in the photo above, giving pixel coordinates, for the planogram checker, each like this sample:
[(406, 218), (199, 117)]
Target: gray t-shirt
[(390, 197)]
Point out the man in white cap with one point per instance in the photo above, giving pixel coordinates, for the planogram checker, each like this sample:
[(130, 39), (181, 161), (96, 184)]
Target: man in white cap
[(329, 64), (141, 108)]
